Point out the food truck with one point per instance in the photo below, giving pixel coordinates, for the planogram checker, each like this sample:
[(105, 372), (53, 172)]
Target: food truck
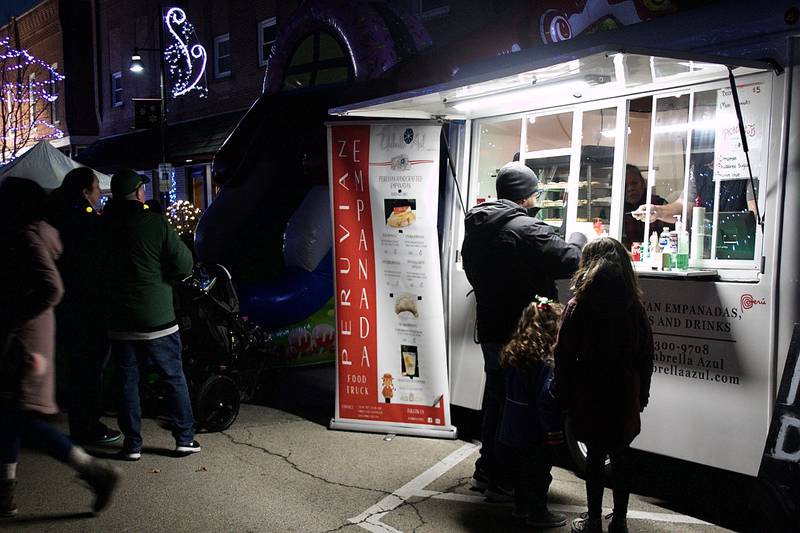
[(659, 96)]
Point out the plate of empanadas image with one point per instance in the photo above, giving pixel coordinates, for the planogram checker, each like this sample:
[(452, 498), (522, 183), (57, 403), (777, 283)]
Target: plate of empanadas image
[(401, 217), (406, 303)]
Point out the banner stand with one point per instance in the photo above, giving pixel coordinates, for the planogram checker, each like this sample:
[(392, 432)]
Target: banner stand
[(391, 370), (449, 432)]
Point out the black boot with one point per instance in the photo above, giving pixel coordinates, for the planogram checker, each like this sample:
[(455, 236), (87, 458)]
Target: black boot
[(618, 524), (103, 481), (8, 507)]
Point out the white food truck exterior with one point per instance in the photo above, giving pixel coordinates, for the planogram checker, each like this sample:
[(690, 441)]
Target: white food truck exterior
[(578, 112)]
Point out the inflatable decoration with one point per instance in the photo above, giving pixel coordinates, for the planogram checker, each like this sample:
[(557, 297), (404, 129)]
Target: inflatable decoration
[(376, 36), (270, 223), (306, 284), (309, 232)]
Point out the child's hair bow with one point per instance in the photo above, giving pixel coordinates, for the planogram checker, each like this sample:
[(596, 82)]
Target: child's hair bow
[(542, 302)]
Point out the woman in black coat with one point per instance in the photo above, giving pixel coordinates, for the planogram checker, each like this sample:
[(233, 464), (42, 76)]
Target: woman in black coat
[(603, 365), (82, 337)]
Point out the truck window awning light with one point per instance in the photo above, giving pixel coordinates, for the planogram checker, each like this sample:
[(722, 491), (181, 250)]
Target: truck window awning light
[(548, 81)]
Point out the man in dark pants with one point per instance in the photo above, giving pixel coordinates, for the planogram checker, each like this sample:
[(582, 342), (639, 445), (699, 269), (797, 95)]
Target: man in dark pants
[(509, 257), (144, 258)]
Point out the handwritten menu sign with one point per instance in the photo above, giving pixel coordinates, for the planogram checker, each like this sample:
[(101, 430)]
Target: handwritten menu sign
[(729, 157)]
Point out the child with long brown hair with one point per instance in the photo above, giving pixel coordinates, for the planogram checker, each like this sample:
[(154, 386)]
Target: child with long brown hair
[(603, 365), (531, 416)]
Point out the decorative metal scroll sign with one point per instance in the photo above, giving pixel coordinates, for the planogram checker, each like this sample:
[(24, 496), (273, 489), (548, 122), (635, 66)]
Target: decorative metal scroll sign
[(186, 62)]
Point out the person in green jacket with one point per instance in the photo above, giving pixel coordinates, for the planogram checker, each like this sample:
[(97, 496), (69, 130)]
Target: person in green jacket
[(143, 258)]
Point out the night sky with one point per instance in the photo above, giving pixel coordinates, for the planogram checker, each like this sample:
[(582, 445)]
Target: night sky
[(11, 8)]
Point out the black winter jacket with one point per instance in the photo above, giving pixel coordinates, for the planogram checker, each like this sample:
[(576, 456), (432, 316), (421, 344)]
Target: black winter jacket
[(79, 226), (510, 257)]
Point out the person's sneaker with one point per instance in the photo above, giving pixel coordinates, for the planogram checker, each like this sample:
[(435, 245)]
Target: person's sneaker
[(618, 525), (187, 449), (586, 524), (8, 506), (546, 518), (479, 481), (103, 481), (499, 494), (129, 455), (105, 435), (520, 513)]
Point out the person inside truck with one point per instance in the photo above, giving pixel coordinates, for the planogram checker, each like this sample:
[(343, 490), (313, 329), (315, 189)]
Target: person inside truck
[(635, 196)]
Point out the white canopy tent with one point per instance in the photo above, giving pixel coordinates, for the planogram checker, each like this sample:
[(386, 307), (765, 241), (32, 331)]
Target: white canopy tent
[(47, 166)]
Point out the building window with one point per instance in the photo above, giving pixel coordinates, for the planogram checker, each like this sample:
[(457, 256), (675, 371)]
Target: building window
[(222, 56), (54, 118), (31, 99), (431, 8), (266, 36), (116, 89), (319, 59)]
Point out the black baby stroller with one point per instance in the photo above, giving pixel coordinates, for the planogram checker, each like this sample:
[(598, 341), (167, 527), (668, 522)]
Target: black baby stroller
[(223, 354)]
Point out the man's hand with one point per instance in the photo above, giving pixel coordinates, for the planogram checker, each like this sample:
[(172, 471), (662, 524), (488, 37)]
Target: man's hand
[(664, 213), (641, 212)]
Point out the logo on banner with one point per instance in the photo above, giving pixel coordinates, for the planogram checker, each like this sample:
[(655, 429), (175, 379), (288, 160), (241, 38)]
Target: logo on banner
[(408, 136)]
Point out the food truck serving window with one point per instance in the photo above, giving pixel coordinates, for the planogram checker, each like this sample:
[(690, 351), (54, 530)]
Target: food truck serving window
[(681, 159), (632, 144)]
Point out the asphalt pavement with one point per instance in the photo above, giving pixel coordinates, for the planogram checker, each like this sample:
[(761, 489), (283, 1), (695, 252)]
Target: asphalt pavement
[(279, 468)]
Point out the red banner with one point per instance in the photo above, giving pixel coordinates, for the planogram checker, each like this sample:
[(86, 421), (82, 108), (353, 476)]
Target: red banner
[(363, 392)]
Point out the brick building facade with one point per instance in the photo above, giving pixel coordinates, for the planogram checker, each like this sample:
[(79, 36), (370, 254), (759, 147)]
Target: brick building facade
[(237, 38), (59, 32)]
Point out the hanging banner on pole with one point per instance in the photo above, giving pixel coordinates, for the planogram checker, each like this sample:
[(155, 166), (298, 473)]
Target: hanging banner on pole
[(391, 370)]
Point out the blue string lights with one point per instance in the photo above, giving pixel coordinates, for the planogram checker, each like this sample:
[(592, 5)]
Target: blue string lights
[(186, 63), (173, 187)]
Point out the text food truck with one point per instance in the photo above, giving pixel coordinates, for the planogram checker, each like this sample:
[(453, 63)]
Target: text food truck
[(581, 113)]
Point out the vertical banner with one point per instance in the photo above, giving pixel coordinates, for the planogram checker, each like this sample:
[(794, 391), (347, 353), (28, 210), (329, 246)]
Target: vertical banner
[(391, 370)]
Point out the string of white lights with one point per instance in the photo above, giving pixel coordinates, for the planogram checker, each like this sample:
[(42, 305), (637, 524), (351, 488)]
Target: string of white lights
[(180, 57)]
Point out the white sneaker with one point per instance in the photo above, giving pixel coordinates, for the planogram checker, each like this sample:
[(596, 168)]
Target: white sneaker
[(192, 447)]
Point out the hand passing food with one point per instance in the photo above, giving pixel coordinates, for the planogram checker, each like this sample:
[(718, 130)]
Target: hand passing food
[(641, 213)]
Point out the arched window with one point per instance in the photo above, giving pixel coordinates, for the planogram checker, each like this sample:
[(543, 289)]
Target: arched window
[(318, 60)]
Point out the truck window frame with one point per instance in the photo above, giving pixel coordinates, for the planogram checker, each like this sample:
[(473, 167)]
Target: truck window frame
[(729, 269)]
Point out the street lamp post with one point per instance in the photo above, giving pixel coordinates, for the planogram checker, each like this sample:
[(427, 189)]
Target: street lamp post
[(136, 66), (186, 77)]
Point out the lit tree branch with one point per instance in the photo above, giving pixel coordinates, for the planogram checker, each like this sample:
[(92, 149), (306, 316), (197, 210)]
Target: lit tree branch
[(28, 92)]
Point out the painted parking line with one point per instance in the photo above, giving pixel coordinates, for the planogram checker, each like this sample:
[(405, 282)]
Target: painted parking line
[(371, 518), (573, 509)]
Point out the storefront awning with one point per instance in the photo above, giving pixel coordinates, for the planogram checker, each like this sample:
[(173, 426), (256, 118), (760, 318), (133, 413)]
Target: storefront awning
[(196, 140), (537, 78)]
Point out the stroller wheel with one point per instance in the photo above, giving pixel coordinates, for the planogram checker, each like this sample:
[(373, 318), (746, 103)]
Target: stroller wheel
[(217, 403)]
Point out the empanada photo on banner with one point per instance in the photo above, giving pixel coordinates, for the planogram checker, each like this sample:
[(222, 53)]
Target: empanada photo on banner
[(406, 303), (400, 212)]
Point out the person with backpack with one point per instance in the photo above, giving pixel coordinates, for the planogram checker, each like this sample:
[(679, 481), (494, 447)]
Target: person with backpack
[(603, 365)]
